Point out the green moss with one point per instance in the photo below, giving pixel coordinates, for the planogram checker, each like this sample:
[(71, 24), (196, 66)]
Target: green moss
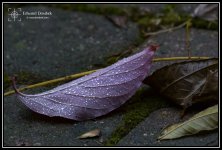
[(204, 24), (20, 45), (147, 21), (134, 13), (7, 81), (171, 18), (136, 110), (169, 8), (151, 22), (112, 60)]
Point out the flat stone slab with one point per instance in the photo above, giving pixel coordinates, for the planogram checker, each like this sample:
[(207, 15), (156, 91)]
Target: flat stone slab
[(66, 43), (159, 8), (156, 8), (202, 43), (23, 127), (173, 44), (147, 132), (72, 42)]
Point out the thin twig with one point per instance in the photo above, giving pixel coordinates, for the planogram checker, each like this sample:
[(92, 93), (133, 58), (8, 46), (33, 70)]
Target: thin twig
[(89, 72), (166, 30), (179, 58), (188, 37)]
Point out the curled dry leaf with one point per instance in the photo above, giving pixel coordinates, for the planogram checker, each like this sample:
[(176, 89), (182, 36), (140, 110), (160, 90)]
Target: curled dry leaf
[(187, 83), (96, 94), (206, 11), (90, 134), (204, 120)]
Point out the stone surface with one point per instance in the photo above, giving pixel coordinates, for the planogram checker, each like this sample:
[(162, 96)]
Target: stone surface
[(203, 43), (152, 8), (173, 44), (147, 132), (71, 42), (23, 127), (185, 8), (66, 43), (157, 8)]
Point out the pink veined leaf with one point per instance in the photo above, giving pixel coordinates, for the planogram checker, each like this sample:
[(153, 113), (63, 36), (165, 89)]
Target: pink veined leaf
[(96, 94)]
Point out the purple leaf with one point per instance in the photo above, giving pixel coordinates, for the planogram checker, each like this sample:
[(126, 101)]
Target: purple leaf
[(96, 94)]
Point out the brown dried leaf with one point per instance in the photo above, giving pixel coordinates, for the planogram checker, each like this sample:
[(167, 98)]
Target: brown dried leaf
[(90, 134), (210, 88), (187, 82)]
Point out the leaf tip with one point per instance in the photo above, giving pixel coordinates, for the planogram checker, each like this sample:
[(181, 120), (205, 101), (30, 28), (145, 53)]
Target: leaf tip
[(159, 138), (153, 47)]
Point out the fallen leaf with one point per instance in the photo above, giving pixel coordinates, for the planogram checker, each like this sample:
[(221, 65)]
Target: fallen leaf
[(210, 88), (186, 83), (90, 134), (206, 11), (96, 94), (204, 120), (119, 21)]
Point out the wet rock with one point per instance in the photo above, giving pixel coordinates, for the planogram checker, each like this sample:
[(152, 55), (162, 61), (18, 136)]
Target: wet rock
[(147, 132), (23, 127), (66, 43)]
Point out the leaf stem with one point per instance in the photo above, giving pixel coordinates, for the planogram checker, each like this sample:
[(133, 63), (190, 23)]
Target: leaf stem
[(91, 71), (179, 58)]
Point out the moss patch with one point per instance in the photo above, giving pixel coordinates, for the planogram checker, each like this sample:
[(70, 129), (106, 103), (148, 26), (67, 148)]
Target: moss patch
[(136, 110), (170, 15), (20, 45), (168, 18), (203, 24), (7, 81)]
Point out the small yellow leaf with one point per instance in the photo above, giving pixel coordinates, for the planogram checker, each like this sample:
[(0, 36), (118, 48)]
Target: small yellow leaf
[(92, 133)]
